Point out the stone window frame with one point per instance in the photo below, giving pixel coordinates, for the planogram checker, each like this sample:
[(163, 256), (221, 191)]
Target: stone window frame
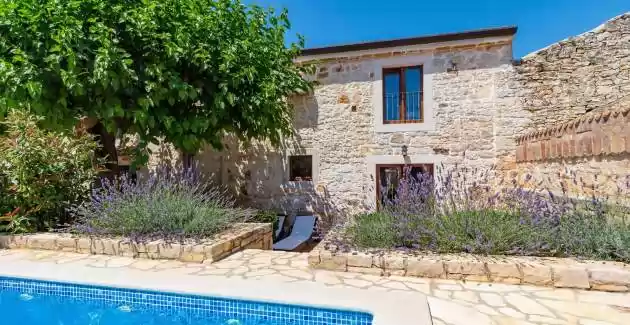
[(309, 169), (428, 123), (403, 95), (301, 152)]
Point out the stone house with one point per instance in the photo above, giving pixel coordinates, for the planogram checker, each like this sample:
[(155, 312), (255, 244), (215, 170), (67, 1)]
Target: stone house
[(426, 101)]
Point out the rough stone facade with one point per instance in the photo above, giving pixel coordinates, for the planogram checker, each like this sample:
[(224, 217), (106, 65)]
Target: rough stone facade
[(578, 93), (478, 98)]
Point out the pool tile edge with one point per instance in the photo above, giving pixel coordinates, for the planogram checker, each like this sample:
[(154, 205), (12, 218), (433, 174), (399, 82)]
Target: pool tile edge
[(387, 308)]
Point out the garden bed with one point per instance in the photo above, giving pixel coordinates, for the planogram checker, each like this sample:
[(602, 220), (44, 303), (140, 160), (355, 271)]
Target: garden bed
[(540, 271), (456, 226), (239, 237)]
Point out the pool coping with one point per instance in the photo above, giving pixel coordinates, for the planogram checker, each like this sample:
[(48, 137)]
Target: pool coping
[(387, 308)]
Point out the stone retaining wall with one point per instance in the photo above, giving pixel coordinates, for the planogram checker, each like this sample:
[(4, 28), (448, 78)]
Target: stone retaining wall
[(556, 272), (242, 236)]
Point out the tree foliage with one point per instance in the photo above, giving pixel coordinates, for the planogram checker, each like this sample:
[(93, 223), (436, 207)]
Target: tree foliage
[(187, 71)]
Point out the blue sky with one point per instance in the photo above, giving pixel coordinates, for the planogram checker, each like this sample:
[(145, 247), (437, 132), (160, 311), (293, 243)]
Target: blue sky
[(540, 22)]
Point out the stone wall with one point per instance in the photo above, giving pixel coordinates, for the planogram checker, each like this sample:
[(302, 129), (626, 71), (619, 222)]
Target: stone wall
[(539, 271), (578, 94), (567, 79), (590, 155), (240, 237)]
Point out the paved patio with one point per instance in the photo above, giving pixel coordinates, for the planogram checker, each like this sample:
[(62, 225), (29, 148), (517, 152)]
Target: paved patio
[(451, 302)]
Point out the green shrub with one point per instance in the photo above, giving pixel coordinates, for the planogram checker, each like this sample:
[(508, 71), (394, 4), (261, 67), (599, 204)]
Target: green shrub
[(267, 216), (373, 230), (42, 172), (5, 200), (597, 238), (494, 232), (169, 204), (487, 232), (455, 215)]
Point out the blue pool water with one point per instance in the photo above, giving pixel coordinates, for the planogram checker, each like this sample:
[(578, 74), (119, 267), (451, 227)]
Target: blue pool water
[(30, 302)]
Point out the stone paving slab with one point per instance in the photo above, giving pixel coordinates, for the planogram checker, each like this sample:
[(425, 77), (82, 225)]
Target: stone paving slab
[(452, 302)]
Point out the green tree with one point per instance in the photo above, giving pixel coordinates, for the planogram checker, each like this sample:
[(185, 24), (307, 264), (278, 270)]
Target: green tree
[(186, 71)]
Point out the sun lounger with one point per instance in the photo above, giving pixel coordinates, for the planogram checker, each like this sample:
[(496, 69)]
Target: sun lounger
[(280, 226), (300, 234)]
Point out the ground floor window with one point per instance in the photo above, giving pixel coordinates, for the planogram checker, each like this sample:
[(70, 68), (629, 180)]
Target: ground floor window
[(301, 168)]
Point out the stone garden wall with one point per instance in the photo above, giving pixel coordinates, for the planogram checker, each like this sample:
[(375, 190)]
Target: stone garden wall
[(589, 155), (587, 72), (578, 93), (242, 236), (556, 272)]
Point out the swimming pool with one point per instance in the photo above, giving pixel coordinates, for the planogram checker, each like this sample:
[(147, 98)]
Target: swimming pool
[(35, 302), (384, 307)]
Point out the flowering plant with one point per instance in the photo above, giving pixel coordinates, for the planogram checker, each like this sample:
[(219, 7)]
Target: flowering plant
[(41, 173), (462, 210), (172, 204)]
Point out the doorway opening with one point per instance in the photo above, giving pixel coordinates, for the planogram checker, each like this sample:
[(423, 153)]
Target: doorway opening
[(388, 178)]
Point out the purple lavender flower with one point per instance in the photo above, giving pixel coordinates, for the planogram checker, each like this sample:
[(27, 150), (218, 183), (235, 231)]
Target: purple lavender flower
[(169, 203), (458, 211)]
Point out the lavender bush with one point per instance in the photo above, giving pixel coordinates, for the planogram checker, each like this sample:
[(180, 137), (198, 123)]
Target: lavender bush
[(460, 213), (171, 204)]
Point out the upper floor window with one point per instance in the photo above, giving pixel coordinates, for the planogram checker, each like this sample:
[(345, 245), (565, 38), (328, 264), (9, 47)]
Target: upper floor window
[(402, 95)]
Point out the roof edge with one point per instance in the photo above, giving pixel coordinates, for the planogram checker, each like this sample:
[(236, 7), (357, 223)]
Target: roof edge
[(436, 38)]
